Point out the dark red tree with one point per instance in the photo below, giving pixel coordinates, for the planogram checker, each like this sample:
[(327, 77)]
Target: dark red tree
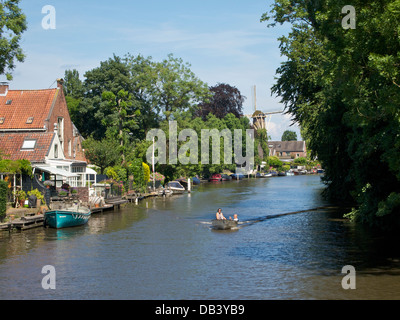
[(225, 99)]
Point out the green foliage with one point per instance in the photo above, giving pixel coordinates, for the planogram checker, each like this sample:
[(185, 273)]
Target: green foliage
[(136, 168), (19, 194), (275, 162), (3, 198), (104, 153), (117, 173), (136, 91), (301, 161), (289, 136), (12, 25), (342, 87), (16, 167), (36, 193)]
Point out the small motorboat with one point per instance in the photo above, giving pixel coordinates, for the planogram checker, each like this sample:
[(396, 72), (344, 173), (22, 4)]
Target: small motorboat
[(224, 224), (196, 181), (175, 187), (237, 176), (225, 177), (68, 217), (266, 175), (215, 177), (184, 182)]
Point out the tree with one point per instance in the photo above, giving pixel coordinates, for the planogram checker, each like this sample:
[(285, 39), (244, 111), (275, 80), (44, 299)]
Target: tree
[(289, 136), (342, 86), (12, 25), (73, 86), (89, 109), (177, 88), (224, 99), (104, 153), (121, 115)]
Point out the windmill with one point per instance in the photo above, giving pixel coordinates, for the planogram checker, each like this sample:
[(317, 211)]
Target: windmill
[(260, 118)]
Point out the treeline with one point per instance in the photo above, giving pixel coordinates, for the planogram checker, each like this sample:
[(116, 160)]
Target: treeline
[(343, 87), (117, 103)]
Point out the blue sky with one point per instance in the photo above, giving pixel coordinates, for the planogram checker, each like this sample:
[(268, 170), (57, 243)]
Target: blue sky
[(223, 41)]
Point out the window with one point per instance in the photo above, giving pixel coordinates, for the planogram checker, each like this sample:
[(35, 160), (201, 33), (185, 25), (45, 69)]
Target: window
[(2, 119), (56, 151), (30, 120), (29, 145), (8, 103), (78, 169)]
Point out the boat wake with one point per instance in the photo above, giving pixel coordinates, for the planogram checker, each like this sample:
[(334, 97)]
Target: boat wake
[(252, 221), (249, 222)]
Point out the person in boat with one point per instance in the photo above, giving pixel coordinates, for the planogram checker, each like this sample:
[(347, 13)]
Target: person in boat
[(235, 218), (220, 215)]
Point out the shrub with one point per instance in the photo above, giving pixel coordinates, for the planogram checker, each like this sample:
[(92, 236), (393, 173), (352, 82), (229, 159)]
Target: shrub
[(146, 170), (36, 193), (63, 192), (3, 198)]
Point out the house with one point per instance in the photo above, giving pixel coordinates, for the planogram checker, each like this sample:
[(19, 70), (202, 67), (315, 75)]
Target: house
[(287, 150), (35, 125)]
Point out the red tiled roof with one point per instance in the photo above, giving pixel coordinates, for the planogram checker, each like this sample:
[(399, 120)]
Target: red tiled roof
[(26, 104), (11, 146)]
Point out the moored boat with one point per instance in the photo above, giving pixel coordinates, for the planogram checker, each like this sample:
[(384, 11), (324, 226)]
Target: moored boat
[(175, 187), (196, 181), (215, 177), (165, 192), (237, 176), (184, 182), (225, 177), (224, 224), (68, 217)]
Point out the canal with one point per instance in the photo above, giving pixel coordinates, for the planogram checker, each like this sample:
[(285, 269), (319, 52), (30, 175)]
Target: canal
[(165, 249)]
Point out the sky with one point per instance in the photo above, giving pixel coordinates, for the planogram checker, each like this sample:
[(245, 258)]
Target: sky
[(223, 41)]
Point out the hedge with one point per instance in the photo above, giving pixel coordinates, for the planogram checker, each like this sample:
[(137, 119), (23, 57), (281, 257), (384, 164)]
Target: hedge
[(3, 198)]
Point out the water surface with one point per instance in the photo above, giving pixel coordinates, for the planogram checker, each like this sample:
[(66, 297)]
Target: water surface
[(165, 249)]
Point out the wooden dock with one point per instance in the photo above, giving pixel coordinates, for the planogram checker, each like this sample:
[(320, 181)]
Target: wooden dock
[(106, 207), (30, 220), (26, 223)]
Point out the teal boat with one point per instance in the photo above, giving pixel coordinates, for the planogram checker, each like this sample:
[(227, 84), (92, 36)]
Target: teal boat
[(68, 217)]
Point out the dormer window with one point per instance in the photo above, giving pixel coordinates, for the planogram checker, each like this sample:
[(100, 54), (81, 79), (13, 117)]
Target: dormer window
[(2, 119), (30, 120), (29, 145), (8, 103)]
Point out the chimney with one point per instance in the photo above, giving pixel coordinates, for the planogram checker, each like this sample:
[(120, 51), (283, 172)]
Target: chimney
[(60, 83), (3, 89)]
